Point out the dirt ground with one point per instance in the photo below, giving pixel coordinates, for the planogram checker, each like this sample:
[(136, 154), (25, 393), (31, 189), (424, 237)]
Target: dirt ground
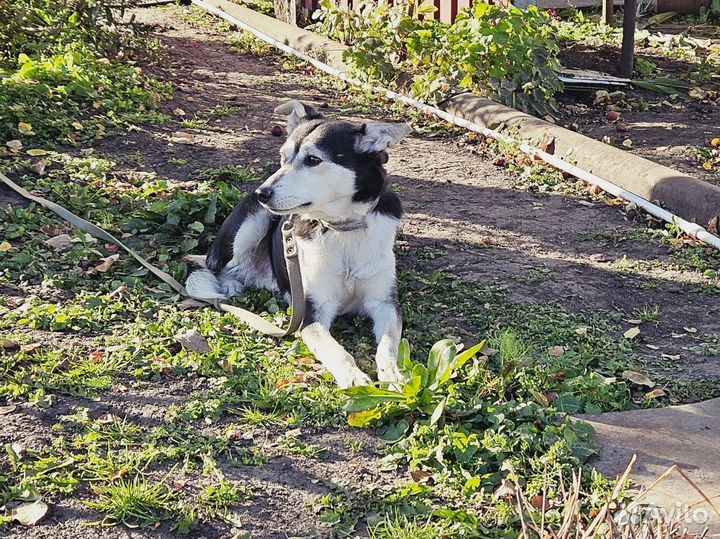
[(667, 132), (457, 202)]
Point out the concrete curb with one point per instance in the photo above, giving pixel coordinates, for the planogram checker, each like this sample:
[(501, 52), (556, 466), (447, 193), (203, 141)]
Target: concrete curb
[(688, 197)]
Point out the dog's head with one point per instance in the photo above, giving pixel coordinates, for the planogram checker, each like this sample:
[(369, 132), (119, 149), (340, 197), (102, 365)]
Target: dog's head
[(327, 167)]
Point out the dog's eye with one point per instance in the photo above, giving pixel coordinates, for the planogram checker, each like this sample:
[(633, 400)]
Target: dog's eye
[(312, 161)]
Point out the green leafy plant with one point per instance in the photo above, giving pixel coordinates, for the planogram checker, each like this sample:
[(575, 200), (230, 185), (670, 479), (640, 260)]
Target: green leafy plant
[(72, 96), (422, 392), (505, 53), (34, 26)]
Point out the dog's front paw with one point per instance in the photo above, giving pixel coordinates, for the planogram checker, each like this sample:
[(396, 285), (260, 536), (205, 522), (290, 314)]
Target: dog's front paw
[(392, 375), (352, 377)]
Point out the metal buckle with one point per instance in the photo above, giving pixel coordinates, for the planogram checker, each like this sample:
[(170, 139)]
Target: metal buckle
[(289, 246)]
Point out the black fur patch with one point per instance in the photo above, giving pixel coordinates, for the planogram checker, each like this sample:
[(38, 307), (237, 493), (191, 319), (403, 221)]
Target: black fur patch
[(276, 252), (221, 250), (389, 204), (310, 316), (338, 140)]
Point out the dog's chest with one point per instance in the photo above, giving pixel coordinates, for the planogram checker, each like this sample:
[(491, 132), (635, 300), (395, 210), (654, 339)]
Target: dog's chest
[(345, 259)]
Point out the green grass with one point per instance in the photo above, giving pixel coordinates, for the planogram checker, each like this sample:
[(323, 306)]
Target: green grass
[(134, 502)]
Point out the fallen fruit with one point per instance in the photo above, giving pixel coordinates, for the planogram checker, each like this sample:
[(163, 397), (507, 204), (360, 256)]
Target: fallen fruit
[(276, 131), (612, 115), (715, 143)]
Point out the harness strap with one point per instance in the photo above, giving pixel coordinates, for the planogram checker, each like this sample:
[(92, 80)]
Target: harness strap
[(290, 251)]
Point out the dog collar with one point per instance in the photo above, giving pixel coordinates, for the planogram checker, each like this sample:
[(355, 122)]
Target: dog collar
[(347, 226)]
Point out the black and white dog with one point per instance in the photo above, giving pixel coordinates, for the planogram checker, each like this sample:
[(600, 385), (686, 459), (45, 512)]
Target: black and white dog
[(333, 186)]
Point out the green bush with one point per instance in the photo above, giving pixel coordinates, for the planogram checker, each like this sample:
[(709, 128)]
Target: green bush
[(504, 53), (38, 26)]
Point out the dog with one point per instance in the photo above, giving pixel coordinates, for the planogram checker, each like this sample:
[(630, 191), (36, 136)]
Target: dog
[(333, 187)]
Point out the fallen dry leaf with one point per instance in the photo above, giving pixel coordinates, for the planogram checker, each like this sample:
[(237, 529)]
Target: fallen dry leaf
[(194, 342), (190, 303), (31, 513), (9, 409), (505, 490), (581, 330), (556, 351), (38, 167), (655, 393), (306, 360), (420, 476), (637, 378), (540, 503), (487, 351), (632, 333), (31, 348), (107, 263), (8, 344), (5, 246), (25, 128), (183, 138), (14, 145), (107, 419), (59, 244), (179, 112)]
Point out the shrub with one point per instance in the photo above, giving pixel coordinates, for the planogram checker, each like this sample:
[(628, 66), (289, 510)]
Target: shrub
[(504, 53), (37, 26)]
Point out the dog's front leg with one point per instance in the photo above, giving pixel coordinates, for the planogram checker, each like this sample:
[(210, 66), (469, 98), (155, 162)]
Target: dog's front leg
[(388, 329), (328, 351)]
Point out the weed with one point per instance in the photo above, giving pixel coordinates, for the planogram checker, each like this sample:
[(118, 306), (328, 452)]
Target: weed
[(536, 275), (354, 445), (399, 526), (225, 173), (134, 502), (648, 313)]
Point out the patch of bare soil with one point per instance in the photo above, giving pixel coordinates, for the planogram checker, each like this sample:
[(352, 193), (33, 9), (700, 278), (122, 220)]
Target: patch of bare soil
[(457, 203), (660, 128)]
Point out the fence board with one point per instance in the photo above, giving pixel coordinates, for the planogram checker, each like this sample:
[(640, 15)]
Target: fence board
[(447, 10)]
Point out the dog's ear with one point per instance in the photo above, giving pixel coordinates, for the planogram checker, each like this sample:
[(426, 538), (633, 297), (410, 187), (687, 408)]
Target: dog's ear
[(296, 113), (377, 137)]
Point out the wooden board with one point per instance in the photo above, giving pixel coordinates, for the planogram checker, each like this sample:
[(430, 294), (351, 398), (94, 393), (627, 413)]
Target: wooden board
[(287, 11)]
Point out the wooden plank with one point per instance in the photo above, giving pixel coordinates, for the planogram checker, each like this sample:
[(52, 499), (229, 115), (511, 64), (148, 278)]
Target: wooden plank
[(607, 11), (627, 50), (287, 11)]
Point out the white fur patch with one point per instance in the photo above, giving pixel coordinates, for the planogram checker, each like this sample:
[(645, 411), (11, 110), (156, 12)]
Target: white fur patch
[(380, 136)]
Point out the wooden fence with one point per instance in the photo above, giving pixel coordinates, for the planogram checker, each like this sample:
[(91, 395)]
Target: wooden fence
[(447, 10)]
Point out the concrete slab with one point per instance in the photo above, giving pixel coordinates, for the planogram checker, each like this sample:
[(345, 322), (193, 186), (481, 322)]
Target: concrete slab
[(687, 436)]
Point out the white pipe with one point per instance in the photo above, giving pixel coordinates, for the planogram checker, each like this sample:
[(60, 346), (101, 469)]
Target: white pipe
[(692, 229)]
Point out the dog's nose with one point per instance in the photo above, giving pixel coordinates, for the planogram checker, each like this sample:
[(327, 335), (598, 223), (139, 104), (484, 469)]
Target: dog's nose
[(264, 193)]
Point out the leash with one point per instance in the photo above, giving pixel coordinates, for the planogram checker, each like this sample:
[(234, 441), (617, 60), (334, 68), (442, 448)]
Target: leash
[(290, 253)]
